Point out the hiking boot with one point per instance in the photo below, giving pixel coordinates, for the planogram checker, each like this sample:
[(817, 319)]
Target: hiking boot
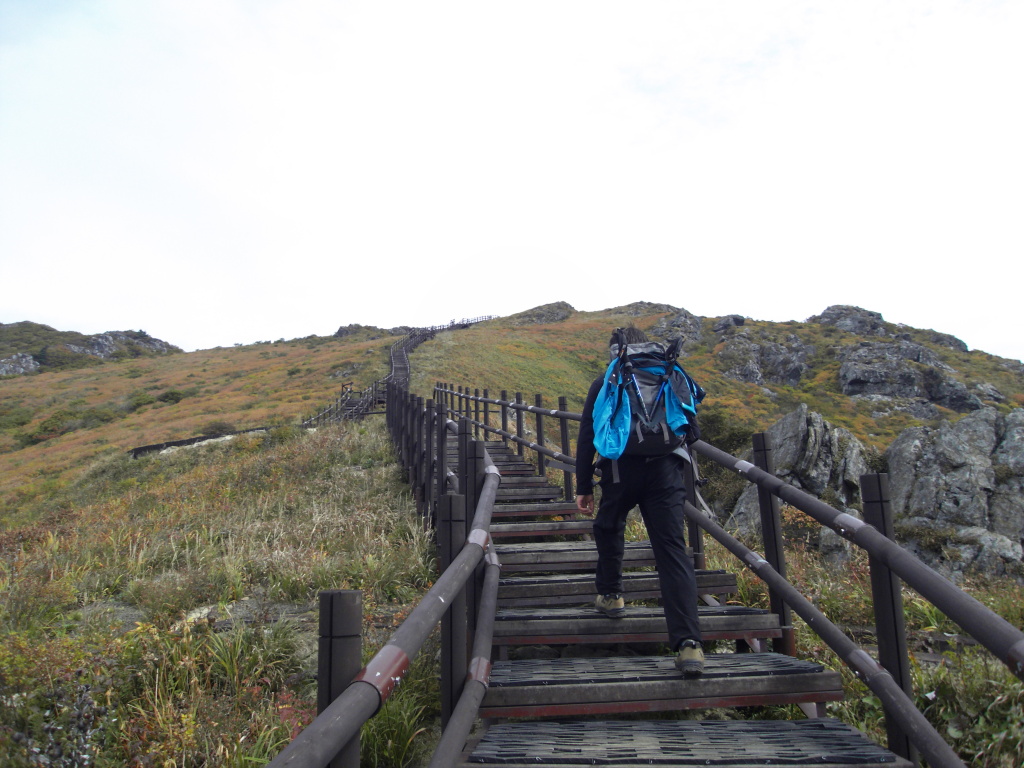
[(612, 606), (690, 659)]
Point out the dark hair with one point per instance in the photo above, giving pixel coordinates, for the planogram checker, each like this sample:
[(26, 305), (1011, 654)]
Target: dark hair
[(628, 335)]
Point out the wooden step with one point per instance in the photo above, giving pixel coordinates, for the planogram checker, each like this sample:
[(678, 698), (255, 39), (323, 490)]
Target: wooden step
[(526, 481), (567, 625), (566, 556), (679, 744), (599, 686), (535, 493), (561, 589), (512, 509), (542, 528)]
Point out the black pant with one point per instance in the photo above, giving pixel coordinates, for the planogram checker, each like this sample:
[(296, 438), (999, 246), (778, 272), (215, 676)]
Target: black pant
[(656, 486)]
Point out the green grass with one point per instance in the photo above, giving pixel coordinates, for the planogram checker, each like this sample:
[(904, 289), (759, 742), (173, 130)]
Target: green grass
[(242, 527)]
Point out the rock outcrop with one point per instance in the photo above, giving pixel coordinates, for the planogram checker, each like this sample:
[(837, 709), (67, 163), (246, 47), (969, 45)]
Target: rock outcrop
[(17, 364), (542, 315), (903, 369), (30, 347), (680, 324), (641, 309), (761, 361), (115, 344), (862, 322), (370, 332), (810, 454), (958, 493)]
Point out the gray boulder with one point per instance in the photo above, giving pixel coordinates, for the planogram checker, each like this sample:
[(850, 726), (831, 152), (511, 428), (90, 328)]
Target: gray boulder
[(762, 361), (903, 369), (815, 456), (862, 322), (542, 315), (681, 324), (729, 321), (641, 309), (958, 493), (17, 364)]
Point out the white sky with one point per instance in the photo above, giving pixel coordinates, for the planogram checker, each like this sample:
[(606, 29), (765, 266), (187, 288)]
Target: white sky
[(228, 171)]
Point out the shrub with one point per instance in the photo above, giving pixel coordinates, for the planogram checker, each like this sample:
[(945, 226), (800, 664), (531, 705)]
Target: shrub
[(137, 400), (218, 427), (14, 416), (171, 396)]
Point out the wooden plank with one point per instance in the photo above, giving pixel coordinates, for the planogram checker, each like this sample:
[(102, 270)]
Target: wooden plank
[(563, 625), (541, 528), (578, 589), (546, 493), (679, 744), (587, 686), (566, 555), (535, 508)]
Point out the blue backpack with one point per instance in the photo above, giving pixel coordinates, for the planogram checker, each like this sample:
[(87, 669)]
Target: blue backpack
[(647, 405)]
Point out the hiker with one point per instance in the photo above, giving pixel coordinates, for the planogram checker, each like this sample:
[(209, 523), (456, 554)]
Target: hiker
[(655, 483)]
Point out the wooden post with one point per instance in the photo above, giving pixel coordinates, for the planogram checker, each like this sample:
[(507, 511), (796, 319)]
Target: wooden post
[(441, 462), (339, 656), (563, 405), (419, 457), (504, 417), (541, 461), (890, 628), (771, 533), (467, 469), (519, 423), (487, 415), (451, 535), (477, 452)]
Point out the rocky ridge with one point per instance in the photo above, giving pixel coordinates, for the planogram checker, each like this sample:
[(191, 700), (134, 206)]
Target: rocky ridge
[(33, 347), (956, 490)]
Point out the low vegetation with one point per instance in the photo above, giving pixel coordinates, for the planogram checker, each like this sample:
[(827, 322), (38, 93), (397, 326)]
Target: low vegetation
[(54, 425), (167, 617)]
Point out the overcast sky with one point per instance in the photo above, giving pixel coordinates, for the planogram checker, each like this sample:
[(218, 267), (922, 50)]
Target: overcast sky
[(228, 171)]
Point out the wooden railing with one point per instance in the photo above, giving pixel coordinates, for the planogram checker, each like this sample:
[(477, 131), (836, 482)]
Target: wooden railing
[(351, 405)]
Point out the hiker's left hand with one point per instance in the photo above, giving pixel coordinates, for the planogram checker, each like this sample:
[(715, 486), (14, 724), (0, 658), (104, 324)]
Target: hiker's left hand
[(585, 504)]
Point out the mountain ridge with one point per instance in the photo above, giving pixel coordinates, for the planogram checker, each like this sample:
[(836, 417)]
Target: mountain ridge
[(29, 347)]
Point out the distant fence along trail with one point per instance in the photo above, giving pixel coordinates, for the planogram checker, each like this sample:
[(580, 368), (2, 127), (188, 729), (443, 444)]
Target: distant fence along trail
[(355, 405), (516, 571)]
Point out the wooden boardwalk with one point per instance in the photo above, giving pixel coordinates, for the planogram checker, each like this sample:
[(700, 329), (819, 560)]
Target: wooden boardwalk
[(570, 687)]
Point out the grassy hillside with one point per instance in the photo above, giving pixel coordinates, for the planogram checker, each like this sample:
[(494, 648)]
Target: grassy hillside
[(562, 358), (54, 425), (246, 532)]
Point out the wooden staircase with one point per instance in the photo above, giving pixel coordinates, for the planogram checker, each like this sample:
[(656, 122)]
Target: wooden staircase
[(579, 684)]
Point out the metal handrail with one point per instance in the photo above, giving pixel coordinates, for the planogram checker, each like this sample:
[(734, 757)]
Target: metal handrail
[(340, 722), (990, 629), (894, 700)]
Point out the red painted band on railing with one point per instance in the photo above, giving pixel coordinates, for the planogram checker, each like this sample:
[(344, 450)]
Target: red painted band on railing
[(480, 537), (479, 670), (385, 670)]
